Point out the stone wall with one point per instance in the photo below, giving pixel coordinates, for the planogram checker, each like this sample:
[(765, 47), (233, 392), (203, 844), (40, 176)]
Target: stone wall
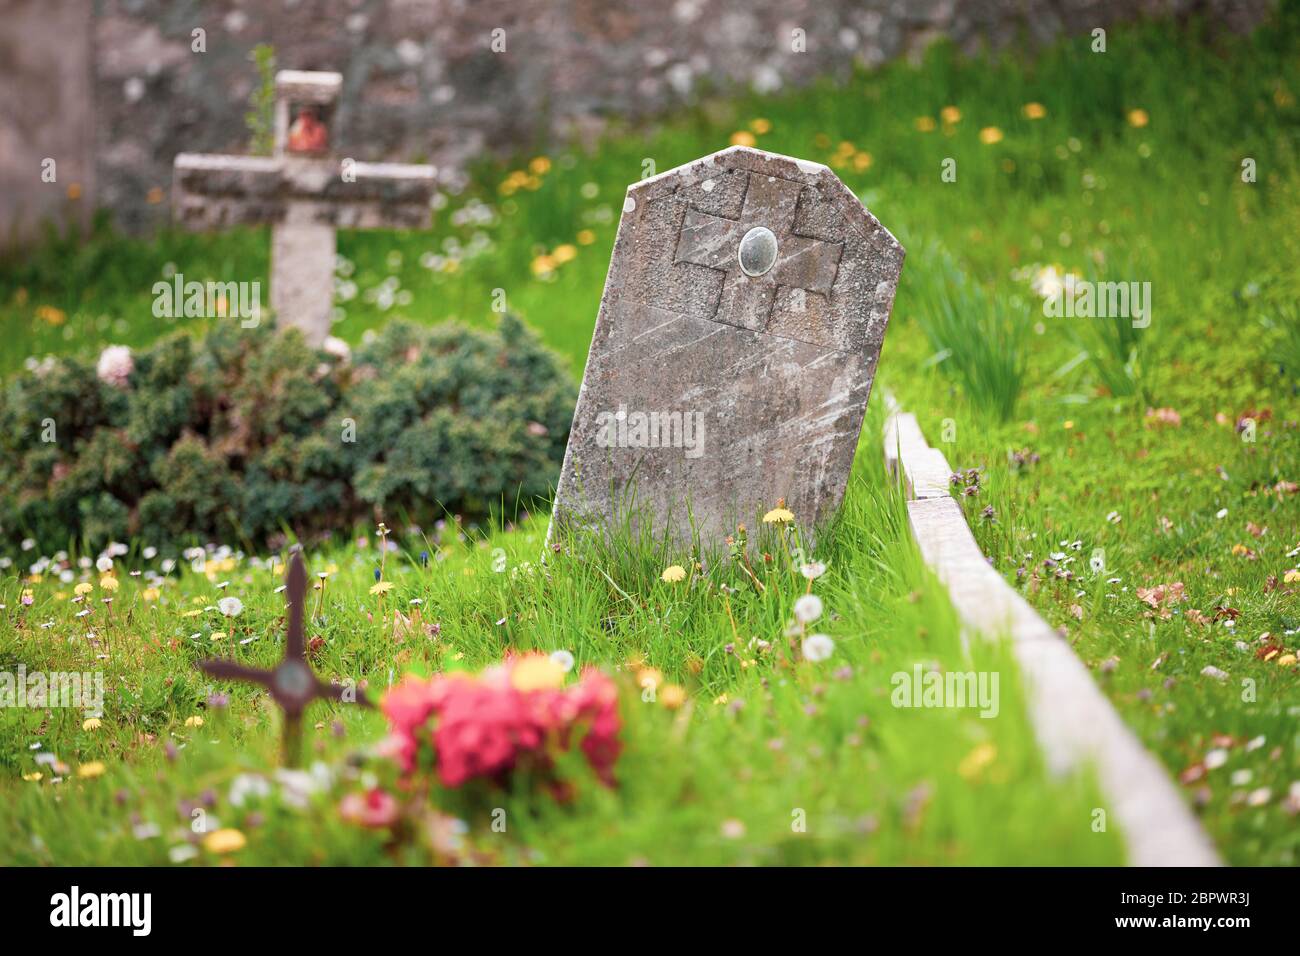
[(115, 88)]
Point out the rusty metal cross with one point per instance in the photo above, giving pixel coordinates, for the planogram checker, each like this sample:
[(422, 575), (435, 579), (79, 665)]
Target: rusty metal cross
[(758, 252), (292, 684)]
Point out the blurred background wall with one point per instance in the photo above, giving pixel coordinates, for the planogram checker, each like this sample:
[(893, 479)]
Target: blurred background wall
[(113, 89)]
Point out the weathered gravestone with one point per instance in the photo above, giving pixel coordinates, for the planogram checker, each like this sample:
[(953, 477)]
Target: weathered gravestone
[(734, 351), (305, 196)]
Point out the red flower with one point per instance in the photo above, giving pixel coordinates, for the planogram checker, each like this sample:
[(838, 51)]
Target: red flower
[(484, 727), (374, 808)]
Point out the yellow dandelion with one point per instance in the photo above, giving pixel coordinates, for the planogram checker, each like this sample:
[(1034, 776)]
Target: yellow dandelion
[(51, 315), (540, 166), (150, 594), (862, 162), (95, 768), (990, 135), (586, 237), (109, 583), (672, 696), (536, 672), (74, 190), (1291, 577), (760, 125), (225, 840), (381, 587), (673, 573), (779, 515), (84, 588), (975, 761), (91, 723), (720, 700), (194, 613), (33, 777), (743, 137), (1138, 118), (195, 721), (564, 253), (543, 265), (218, 636), (950, 115), (1286, 660), (924, 124), (649, 677), (1034, 111)]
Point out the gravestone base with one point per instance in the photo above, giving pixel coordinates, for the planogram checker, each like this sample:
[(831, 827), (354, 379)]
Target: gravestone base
[(302, 261)]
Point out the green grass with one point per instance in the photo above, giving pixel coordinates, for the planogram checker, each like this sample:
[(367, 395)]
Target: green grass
[(1085, 187), (759, 741)]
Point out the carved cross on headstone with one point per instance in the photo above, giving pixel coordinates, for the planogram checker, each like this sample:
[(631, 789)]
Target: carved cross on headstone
[(304, 195), (737, 340), (759, 251), (292, 683)]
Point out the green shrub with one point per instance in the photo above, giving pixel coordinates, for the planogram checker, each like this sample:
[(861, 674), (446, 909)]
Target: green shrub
[(246, 435)]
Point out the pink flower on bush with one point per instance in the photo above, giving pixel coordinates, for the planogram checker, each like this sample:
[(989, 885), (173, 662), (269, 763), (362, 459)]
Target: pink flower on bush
[(374, 808), (115, 366), (513, 714)]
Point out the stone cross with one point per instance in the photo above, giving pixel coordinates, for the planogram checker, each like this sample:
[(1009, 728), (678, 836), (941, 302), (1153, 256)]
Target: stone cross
[(304, 195), (292, 683), (734, 351)]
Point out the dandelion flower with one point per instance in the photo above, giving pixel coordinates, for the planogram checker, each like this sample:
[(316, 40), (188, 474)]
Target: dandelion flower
[(33, 777), (91, 723), (673, 573), (812, 570), (586, 237), (743, 137), (672, 696), (218, 636), (150, 594), (779, 515), (950, 115), (230, 606), (990, 135), (536, 672), (226, 840), (1034, 111), (109, 583), (924, 124), (817, 647), (564, 253), (760, 126), (95, 768), (381, 587), (84, 588), (808, 608), (1138, 118), (195, 721)]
